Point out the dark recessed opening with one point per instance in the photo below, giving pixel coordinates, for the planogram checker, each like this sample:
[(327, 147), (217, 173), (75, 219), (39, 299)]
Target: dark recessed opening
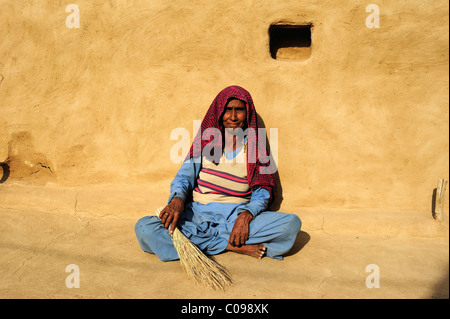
[(290, 42)]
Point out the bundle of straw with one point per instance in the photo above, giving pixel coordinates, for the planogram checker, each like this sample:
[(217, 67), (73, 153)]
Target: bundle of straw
[(198, 266)]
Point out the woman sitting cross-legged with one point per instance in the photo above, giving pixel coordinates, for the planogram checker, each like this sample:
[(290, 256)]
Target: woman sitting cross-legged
[(220, 195)]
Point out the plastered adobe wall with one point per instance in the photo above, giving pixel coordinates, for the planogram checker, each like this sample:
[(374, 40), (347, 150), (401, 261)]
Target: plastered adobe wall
[(362, 123)]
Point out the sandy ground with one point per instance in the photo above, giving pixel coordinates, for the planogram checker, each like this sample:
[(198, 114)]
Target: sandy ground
[(44, 229)]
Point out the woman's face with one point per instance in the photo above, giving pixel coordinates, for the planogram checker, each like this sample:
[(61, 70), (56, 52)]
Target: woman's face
[(235, 115)]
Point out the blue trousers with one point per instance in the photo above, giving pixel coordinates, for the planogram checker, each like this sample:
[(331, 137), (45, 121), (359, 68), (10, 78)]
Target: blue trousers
[(276, 231)]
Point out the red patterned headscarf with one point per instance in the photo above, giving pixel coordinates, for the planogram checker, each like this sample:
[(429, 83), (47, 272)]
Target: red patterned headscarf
[(258, 174)]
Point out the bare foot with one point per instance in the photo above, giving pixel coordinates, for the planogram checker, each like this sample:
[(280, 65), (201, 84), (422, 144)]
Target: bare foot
[(256, 250)]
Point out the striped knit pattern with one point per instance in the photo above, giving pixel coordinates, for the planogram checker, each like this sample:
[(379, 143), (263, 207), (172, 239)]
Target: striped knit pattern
[(225, 182)]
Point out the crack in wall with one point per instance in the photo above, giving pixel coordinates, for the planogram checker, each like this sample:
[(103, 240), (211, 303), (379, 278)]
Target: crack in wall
[(43, 166), (76, 203)]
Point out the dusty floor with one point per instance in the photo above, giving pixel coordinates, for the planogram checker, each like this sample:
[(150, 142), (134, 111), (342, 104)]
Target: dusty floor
[(44, 229)]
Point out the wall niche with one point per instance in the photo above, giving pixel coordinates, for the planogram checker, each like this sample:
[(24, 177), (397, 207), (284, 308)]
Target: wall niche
[(290, 42)]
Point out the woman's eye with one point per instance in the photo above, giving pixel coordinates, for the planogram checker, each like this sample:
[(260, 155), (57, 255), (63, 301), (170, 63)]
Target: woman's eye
[(237, 110)]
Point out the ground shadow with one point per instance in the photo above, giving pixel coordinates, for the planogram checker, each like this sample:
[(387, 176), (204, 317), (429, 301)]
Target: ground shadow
[(5, 174), (441, 290), (300, 242)]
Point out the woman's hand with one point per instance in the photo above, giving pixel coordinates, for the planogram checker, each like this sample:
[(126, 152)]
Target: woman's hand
[(171, 213), (239, 234)]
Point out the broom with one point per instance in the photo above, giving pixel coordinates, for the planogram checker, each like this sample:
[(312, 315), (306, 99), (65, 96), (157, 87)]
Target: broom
[(198, 266)]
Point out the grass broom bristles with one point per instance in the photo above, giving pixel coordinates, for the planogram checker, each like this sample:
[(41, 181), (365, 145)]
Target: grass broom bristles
[(201, 268)]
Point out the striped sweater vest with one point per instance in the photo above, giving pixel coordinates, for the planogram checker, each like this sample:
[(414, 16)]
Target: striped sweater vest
[(225, 182)]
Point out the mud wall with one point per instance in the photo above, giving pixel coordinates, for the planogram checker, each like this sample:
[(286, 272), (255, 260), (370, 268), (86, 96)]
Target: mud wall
[(363, 122)]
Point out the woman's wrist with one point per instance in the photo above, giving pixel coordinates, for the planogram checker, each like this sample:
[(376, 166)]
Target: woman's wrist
[(246, 215), (177, 203)]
